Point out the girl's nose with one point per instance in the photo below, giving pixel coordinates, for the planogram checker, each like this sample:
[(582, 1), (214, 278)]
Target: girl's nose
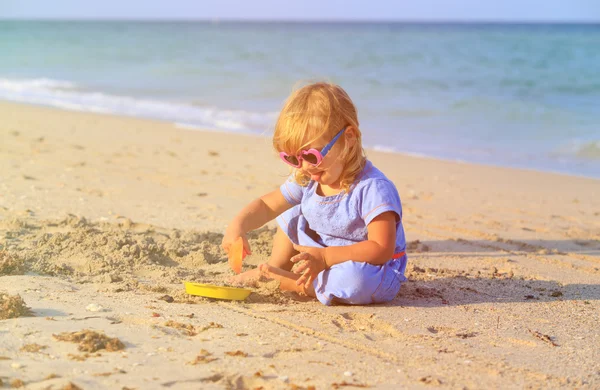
[(305, 165)]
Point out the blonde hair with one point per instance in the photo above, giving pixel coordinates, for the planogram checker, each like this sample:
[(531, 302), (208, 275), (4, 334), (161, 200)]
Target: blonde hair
[(317, 110)]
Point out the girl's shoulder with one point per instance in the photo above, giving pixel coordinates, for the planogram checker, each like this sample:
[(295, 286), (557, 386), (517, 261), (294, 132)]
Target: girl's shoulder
[(371, 176)]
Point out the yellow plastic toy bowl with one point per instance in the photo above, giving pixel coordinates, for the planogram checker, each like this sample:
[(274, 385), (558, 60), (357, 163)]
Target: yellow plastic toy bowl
[(219, 292)]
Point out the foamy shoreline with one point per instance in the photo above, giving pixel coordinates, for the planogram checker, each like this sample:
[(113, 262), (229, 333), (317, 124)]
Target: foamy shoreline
[(234, 128), (504, 268)]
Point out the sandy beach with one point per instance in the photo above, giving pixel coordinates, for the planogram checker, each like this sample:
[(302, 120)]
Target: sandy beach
[(103, 217)]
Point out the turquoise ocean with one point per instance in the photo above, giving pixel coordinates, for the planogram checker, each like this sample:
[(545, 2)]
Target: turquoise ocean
[(517, 95)]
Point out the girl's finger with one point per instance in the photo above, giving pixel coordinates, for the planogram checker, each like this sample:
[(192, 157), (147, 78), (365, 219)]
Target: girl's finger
[(298, 257), (308, 280), (299, 248), (247, 249), (300, 280), (301, 268), (308, 283)]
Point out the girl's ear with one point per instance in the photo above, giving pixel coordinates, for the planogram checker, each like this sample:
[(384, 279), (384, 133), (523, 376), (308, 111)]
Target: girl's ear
[(350, 135)]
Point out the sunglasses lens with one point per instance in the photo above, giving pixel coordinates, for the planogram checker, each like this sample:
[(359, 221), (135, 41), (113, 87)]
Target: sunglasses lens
[(311, 158), (292, 160)]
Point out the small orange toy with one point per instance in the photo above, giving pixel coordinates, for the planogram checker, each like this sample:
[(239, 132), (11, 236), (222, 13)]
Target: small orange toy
[(237, 255)]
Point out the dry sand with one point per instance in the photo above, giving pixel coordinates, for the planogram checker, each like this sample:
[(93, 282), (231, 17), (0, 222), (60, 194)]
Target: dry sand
[(102, 216)]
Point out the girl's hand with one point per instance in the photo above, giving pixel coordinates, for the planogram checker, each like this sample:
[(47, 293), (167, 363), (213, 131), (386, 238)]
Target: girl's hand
[(231, 234), (312, 262)]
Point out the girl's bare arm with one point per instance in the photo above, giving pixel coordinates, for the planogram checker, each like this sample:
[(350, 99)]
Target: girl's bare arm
[(261, 210)]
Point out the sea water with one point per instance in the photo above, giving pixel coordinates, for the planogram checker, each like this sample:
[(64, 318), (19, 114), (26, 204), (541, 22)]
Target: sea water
[(519, 95)]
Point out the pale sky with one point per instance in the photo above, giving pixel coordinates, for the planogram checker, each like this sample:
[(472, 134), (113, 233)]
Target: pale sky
[(421, 10)]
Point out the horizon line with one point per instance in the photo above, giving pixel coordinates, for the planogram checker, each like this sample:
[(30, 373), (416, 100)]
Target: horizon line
[(358, 21)]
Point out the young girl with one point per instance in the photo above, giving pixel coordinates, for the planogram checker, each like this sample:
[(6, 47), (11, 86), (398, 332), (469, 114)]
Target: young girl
[(339, 217)]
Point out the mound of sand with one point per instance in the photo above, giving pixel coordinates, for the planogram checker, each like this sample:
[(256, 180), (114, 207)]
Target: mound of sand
[(91, 341), (12, 306), (131, 255), (10, 264)]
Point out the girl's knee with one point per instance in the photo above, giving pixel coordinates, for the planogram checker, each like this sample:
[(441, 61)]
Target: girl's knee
[(347, 283), (358, 284)]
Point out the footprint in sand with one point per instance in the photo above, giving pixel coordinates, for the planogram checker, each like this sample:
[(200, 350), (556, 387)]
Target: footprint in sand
[(357, 322)]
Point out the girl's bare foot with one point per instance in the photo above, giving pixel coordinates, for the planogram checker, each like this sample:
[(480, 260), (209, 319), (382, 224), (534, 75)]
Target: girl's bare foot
[(286, 279), (248, 278)]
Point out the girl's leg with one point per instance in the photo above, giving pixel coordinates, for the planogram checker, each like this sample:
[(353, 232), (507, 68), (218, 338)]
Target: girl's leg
[(281, 253), (279, 266), (359, 283), (286, 279)]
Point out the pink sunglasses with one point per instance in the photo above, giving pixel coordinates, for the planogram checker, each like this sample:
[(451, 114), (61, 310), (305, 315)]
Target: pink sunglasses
[(311, 156)]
